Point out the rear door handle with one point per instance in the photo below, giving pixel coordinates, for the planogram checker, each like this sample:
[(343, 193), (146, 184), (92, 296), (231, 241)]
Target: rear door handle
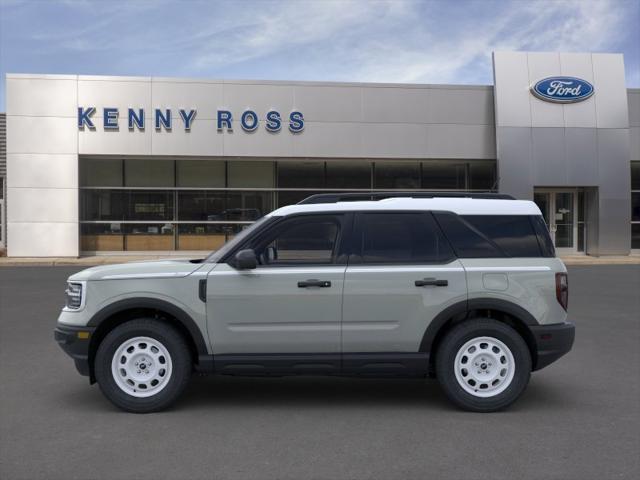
[(314, 283), (431, 282)]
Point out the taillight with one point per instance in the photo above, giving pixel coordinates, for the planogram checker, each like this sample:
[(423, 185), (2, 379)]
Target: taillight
[(562, 289)]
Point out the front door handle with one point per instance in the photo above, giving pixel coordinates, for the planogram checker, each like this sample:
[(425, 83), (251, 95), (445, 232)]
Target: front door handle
[(314, 283), (431, 282)]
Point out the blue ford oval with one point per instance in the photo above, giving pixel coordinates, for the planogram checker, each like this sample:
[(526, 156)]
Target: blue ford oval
[(562, 89)]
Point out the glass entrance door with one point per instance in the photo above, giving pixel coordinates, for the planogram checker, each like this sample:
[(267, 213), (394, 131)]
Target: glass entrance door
[(559, 209)]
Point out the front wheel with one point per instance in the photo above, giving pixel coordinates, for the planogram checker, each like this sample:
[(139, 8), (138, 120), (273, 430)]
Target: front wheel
[(143, 365), (483, 365)]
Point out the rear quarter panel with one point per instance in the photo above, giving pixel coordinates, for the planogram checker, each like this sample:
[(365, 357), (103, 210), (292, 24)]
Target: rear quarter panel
[(526, 282)]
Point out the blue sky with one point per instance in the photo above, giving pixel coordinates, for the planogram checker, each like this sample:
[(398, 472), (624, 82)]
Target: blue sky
[(357, 40)]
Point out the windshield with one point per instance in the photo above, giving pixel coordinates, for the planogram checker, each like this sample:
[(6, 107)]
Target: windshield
[(216, 255)]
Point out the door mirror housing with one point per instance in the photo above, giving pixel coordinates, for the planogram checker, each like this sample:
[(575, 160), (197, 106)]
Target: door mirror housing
[(245, 260)]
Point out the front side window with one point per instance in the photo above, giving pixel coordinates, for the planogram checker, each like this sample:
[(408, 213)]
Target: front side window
[(301, 241), (400, 238)]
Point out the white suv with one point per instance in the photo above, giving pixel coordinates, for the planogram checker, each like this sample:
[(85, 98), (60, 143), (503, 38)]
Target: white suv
[(464, 289)]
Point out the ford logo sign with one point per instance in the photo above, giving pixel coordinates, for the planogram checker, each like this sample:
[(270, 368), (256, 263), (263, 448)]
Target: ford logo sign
[(562, 89)]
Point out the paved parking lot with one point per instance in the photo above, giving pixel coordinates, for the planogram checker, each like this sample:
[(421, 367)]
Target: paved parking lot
[(579, 419)]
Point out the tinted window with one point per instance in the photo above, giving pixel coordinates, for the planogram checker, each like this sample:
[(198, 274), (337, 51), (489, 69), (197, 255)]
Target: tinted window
[(400, 238), (348, 175), (482, 176), (397, 175), (443, 175), (635, 235), (467, 241), (514, 234), (544, 239), (635, 175), (477, 236), (300, 175), (304, 240)]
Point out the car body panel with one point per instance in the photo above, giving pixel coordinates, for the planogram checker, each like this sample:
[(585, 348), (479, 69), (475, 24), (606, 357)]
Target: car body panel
[(181, 292), (526, 282), (384, 311), (264, 311), (142, 270)]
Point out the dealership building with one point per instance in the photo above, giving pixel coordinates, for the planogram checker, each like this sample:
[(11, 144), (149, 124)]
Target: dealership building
[(115, 165)]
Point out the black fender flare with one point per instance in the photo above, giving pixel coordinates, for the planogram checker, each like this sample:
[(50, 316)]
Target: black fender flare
[(156, 304), (464, 307)]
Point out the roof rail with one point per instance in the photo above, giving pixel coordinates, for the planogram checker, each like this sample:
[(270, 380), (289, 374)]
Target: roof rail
[(364, 196)]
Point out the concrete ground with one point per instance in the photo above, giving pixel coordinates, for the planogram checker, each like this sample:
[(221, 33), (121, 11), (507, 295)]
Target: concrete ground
[(579, 418)]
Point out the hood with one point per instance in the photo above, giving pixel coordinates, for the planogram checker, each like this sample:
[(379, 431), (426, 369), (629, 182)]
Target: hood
[(146, 269)]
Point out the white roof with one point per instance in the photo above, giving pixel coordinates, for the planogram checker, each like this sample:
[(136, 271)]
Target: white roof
[(461, 206)]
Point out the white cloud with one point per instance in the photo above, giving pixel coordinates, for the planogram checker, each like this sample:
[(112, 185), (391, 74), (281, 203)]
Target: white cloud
[(408, 41), (279, 27)]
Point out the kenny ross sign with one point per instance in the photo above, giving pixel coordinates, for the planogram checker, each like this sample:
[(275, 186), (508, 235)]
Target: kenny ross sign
[(562, 89), (163, 119)]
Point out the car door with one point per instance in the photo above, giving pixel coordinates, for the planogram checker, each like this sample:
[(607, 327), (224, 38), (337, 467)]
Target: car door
[(401, 274), (291, 303)]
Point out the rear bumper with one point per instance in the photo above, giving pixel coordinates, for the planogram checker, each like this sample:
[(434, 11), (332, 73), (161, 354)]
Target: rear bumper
[(75, 343), (552, 342)]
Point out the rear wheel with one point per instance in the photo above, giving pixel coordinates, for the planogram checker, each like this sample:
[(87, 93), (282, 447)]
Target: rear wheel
[(483, 365), (143, 365)]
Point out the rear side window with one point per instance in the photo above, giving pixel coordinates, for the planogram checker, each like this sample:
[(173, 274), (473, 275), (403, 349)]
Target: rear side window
[(491, 236), (544, 239), (467, 241), (513, 234), (399, 238)]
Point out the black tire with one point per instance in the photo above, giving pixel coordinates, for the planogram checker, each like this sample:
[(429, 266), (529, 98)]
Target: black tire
[(171, 340), (455, 339)]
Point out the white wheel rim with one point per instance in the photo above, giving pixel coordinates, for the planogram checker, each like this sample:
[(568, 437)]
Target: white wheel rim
[(484, 367), (141, 367)]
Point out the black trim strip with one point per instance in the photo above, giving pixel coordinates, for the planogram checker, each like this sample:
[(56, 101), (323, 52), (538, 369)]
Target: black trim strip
[(504, 306), (552, 342), (370, 196), (155, 304), (378, 364), (462, 309), (457, 309), (277, 364), (386, 364), (202, 290)]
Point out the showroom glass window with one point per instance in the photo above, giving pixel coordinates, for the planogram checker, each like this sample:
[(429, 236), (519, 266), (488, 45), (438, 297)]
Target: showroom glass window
[(197, 204)]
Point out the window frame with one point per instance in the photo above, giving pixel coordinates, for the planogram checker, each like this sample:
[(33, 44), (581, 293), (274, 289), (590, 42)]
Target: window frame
[(355, 256)]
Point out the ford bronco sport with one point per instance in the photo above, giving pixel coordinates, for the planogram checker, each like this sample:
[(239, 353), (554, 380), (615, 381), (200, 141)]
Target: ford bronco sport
[(464, 288)]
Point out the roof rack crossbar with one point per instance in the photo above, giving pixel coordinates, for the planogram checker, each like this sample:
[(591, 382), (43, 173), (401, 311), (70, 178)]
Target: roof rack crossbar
[(369, 196)]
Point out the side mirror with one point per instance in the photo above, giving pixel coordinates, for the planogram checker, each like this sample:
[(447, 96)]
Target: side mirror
[(245, 260)]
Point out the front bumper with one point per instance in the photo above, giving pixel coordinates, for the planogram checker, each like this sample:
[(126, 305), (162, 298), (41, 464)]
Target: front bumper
[(552, 342), (75, 342)]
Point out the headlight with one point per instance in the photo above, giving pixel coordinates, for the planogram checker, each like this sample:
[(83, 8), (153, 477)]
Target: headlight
[(74, 295)]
